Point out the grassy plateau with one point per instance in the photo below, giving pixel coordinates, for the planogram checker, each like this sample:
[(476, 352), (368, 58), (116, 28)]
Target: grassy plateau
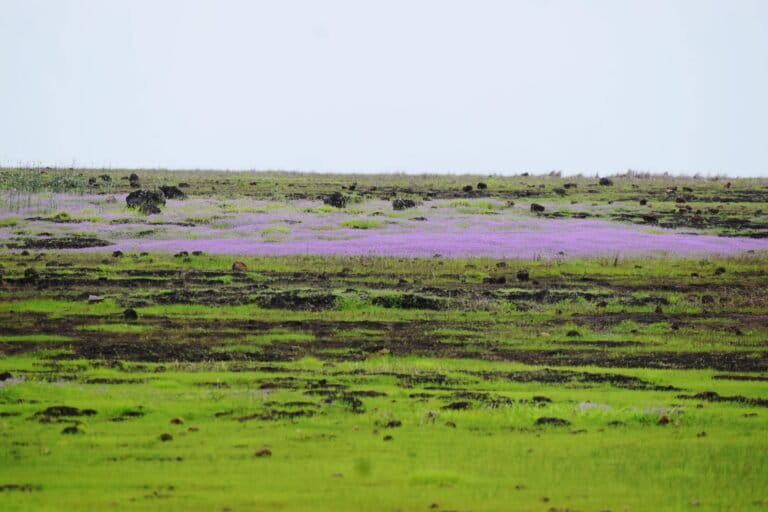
[(156, 377)]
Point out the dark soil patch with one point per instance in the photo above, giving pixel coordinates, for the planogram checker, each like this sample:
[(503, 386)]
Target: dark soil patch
[(552, 422), (712, 396), (297, 301), (112, 381), (756, 378), (604, 344), (409, 301), (55, 412), (20, 488), (71, 242), (277, 414), (723, 361), (457, 406), (549, 376), (128, 415)]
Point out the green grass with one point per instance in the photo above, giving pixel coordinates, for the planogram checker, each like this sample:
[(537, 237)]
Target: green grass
[(33, 338), (361, 224)]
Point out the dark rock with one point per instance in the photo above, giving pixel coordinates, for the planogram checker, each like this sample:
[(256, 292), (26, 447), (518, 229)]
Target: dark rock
[(239, 266), (134, 181), (393, 424), (643, 202), (482, 186), (166, 437), (523, 275), (130, 314), (537, 208), (467, 188), (337, 199), (117, 254), (5, 376), (147, 202), (606, 182), (105, 177), (263, 452), (72, 429), (171, 192), (402, 204)]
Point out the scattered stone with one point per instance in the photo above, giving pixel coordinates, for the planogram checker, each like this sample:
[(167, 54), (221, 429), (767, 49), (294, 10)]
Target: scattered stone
[(177, 421), (393, 424), (606, 182), (117, 254), (537, 208), (239, 266), (388, 438), (5, 376), (134, 181), (72, 429), (482, 186), (523, 275), (467, 188), (166, 437), (263, 452), (95, 298), (573, 333), (130, 314), (664, 420)]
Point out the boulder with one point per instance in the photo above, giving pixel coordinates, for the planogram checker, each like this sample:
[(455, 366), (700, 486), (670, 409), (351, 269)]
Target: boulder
[(336, 199), (171, 192), (402, 204), (147, 202)]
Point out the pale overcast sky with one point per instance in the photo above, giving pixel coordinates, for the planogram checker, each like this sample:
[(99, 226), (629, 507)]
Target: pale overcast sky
[(395, 85)]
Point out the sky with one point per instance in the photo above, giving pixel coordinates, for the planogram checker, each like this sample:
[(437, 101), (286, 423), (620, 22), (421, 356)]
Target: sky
[(422, 86)]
